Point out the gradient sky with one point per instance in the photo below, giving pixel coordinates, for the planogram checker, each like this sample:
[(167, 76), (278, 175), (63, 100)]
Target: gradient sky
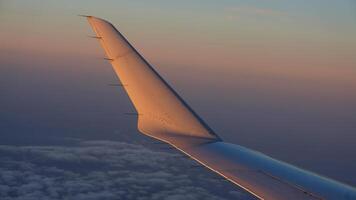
[(278, 76)]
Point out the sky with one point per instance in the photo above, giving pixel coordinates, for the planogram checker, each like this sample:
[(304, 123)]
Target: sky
[(277, 76)]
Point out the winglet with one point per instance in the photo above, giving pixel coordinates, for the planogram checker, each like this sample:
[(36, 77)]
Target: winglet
[(164, 113)]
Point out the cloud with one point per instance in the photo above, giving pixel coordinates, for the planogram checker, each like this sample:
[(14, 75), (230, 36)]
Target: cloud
[(106, 170)]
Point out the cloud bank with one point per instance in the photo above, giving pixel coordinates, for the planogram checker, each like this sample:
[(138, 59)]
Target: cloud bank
[(106, 170)]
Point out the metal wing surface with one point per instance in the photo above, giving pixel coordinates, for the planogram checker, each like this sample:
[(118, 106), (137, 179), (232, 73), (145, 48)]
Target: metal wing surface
[(164, 115)]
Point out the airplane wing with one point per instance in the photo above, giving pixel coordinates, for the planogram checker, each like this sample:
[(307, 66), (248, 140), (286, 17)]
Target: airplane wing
[(163, 114)]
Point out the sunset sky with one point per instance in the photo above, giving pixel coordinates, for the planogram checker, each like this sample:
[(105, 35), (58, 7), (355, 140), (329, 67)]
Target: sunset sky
[(278, 76)]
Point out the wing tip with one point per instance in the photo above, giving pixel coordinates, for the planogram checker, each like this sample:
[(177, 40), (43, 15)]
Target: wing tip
[(93, 18), (86, 16)]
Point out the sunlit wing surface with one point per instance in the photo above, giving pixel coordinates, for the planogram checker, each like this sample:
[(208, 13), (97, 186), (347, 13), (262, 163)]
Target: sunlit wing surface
[(162, 114)]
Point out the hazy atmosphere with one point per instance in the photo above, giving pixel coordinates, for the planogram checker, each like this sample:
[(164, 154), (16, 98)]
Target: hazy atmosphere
[(277, 76)]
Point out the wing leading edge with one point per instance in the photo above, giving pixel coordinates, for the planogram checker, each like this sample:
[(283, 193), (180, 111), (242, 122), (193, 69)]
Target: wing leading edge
[(162, 114)]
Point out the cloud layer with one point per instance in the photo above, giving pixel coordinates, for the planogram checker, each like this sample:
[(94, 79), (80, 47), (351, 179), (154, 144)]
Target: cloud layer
[(106, 170)]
